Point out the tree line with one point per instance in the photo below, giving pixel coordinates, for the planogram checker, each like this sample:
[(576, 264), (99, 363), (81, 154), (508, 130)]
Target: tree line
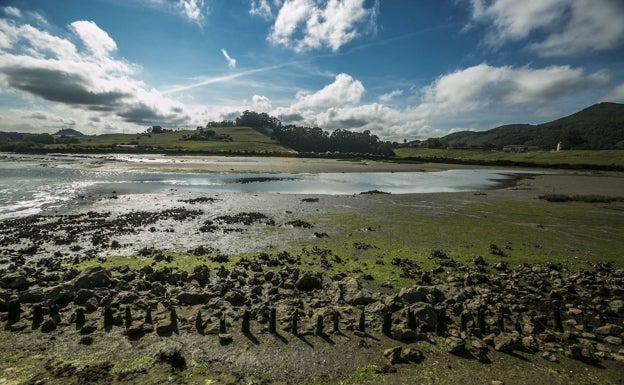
[(315, 139)]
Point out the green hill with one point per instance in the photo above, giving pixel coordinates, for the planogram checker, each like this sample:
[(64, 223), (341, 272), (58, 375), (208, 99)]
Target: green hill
[(598, 127)]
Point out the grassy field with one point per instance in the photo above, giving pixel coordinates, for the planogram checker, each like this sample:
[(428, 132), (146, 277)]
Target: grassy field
[(602, 158), (244, 139)]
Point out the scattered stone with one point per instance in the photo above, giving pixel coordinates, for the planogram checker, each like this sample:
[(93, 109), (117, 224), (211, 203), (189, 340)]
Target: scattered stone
[(172, 355), (393, 355), (550, 357), (455, 345), (92, 277), (225, 338), (135, 330), (507, 343), (48, 325), (412, 355), (309, 282)]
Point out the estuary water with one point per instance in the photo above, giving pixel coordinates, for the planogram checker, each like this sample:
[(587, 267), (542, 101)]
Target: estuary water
[(31, 184)]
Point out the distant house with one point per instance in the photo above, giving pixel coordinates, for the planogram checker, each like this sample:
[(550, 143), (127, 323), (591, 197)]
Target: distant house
[(519, 148), (514, 148)]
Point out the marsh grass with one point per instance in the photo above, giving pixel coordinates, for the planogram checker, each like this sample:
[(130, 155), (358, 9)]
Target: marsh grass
[(581, 198), (588, 157)]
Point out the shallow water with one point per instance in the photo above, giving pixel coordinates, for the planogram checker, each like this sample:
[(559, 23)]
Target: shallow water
[(35, 184)]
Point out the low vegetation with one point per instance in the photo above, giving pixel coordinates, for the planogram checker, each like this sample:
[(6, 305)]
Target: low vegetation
[(581, 198), (608, 159)]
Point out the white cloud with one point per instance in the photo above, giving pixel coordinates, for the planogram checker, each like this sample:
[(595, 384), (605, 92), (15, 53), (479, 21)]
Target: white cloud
[(12, 11), (230, 60), (385, 98), (261, 103), (571, 26), (477, 86), (305, 25), (616, 95), (448, 101), (344, 90), (193, 10), (43, 67), (94, 38), (261, 8)]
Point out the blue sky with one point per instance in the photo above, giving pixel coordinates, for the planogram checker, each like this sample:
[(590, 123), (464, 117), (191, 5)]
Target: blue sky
[(401, 69)]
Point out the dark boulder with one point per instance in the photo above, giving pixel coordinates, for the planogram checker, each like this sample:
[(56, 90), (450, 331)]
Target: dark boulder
[(95, 276), (308, 282)]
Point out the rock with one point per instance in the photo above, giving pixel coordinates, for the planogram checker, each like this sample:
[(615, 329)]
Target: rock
[(308, 282), (165, 328), (17, 326), (419, 293), (225, 338), (550, 357), (32, 295), (617, 306), (48, 325), (530, 343), (82, 296), (135, 330), (455, 345), (86, 340), (157, 289), (91, 305), (193, 297), (393, 355), (412, 354), (613, 340), (405, 334), (350, 290), (16, 280), (88, 328), (95, 276), (579, 353), (507, 342), (235, 297), (608, 330), (62, 294), (172, 355), (426, 315)]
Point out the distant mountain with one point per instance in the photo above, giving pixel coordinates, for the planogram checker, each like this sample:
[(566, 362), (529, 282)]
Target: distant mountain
[(598, 127), (68, 132)]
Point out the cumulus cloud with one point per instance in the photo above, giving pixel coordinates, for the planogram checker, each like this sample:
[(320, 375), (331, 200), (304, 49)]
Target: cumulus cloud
[(87, 78), (385, 98), (570, 26), (344, 90), (305, 25), (477, 86), (338, 105), (94, 38), (260, 103), (230, 60)]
